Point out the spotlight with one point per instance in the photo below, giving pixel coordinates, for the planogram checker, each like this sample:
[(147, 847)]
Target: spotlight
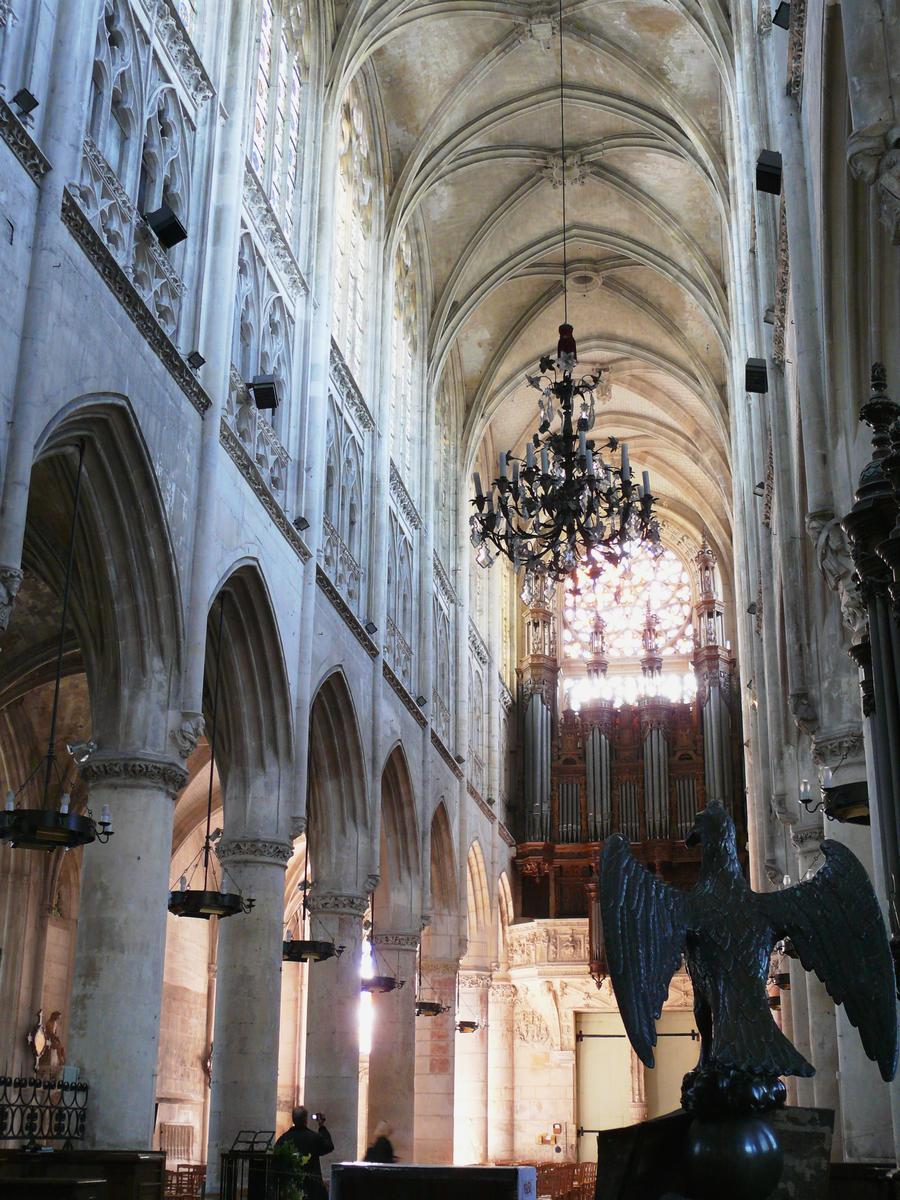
[(25, 102), (756, 376), (264, 392), (371, 628), (195, 359), (759, 489), (782, 15), (301, 523), (466, 1026), (459, 759), (168, 229), (768, 172), (421, 701)]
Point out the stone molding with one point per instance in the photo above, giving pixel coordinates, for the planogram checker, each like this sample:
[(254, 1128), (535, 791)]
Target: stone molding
[(178, 45), (483, 805), (477, 645), (338, 904), (445, 754), (445, 587), (135, 770), (506, 696), (782, 287), (397, 941), (261, 850), (505, 834), (346, 613), (403, 499), (22, 143), (835, 747), (188, 734), (269, 228), (548, 942), (10, 582), (473, 981), (807, 837), (342, 377), (873, 155), (440, 966), (125, 292), (796, 47), (503, 993), (260, 489), (405, 698), (764, 18)]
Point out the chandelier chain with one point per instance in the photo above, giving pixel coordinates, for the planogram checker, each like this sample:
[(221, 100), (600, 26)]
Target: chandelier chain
[(562, 146)]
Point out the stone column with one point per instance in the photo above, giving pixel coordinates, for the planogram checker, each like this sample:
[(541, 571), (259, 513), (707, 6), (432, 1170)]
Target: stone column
[(244, 1084), (470, 1101), (435, 1048), (501, 1074), (120, 949), (392, 1059), (332, 1022), (638, 1103)]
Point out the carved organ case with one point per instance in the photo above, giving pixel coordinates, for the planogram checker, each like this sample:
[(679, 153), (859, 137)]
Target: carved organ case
[(629, 722)]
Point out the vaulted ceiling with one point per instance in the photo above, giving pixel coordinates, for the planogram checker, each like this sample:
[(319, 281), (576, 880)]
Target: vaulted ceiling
[(470, 96)]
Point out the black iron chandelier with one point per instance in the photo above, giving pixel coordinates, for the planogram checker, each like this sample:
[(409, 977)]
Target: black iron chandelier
[(45, 828), (548, 511), (302, 949)]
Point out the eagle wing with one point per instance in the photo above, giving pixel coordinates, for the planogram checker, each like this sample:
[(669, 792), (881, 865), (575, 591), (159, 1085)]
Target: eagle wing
[(644, 927), (836, 926)]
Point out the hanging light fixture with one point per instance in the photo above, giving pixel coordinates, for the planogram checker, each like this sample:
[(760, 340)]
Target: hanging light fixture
[(304, 949), (546, 512), (383, 982), (464, 1024), (45, 828), (426, 1008), (185, 901)]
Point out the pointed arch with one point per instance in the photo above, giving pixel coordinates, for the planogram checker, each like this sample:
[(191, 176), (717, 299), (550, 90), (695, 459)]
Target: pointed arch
[(444, 878), (125, 607), (255, 730), (398, 898), (338, 808), (478, 905)]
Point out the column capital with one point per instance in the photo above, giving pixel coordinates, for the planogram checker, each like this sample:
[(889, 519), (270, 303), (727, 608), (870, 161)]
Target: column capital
[(474, 980), (188, 733), (249, 849), (397, 941), (135, 770), (831, 747), (503, 992), (440, 966), (339, 904), (807, 838)]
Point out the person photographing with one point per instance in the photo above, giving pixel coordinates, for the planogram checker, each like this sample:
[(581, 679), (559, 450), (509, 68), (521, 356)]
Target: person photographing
[(312, 1144)]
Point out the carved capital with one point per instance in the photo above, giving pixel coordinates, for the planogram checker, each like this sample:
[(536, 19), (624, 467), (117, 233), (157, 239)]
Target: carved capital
[(259, 850), (503, 993), (397, 941), (873, 155), (338, 904), (10, 582), (807, 838), (440, 966), (474, 981), (188, 734), (831, 748), (803, 710), (136, 771)]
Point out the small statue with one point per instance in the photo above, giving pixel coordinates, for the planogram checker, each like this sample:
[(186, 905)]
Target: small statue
[(727, 933)]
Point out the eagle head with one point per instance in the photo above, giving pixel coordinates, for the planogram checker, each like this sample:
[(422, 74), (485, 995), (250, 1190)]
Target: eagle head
[(713, 828)]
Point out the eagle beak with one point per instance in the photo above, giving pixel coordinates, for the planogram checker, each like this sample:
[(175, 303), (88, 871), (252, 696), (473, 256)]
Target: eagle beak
[(693, 838)]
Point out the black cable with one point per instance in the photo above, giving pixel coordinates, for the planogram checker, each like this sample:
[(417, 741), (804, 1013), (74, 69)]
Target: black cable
[(562, 143), (212, 745)]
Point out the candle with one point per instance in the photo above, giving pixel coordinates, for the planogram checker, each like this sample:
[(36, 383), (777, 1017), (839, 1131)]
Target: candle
[(545, 461), (10, 801), (826, 778), (529, 456), (626, 468), (582, 443), (64, 803), (804, 791), (105, 815), (477, 480), (646, 483), (640, 491), (515, 477), (590, 463), (502, 465)]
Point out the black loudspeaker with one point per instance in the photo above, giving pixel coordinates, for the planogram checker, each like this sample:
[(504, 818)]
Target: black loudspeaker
[(768, 172), (782, 15), (264, 391), (756, 376), (168, 229)]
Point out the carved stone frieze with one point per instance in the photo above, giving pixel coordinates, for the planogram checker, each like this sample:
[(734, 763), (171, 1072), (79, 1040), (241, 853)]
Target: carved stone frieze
[(274, 242), (831, 748), (542, 942), (403, 500), (477, 645), (125, 292), (20, 141), (474, 981), (398, 941), (352, 397), (807, 837), (188, 734), (446, 755), (396, 685), (445, 587), (764, 18), (506, 697), (782, 288), (439, 966), (503, 993), (530, 1026), (135, 770), (10, 582), (7, 15), (249, 469), (346, 613), (836, 564), (338, 904), (254, 850), (796, 47), (174, 38)]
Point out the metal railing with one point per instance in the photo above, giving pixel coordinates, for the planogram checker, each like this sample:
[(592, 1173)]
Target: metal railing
[(42, 1110)]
